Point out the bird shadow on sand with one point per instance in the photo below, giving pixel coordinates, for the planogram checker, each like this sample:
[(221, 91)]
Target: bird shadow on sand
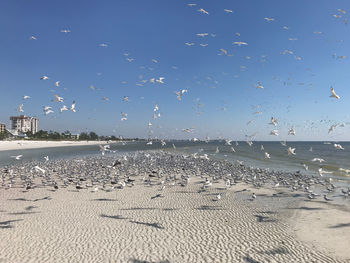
[(30, 200), (22, 213), (210, 208), (340, 225), (142, 261), (138, 208), (307, 208), (113, 217), (104, 200), (155, 225), (8, 223), (250, 260), (265, 219), (277, 251)]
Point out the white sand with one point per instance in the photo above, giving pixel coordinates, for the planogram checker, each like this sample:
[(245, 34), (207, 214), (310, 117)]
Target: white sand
[(23, 144), (326, 226), (126, 225)]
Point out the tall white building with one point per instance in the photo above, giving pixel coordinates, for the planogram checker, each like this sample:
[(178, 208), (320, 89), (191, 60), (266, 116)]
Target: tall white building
[(23, 124)]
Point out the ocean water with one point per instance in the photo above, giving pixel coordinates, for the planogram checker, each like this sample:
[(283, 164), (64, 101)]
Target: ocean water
[(250, 155)]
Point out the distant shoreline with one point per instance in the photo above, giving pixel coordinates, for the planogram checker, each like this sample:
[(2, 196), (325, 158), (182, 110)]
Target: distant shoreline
[(31, 144)]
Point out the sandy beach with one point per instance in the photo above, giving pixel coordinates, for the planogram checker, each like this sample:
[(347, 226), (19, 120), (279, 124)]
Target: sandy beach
[(23, 144), (163, 218)]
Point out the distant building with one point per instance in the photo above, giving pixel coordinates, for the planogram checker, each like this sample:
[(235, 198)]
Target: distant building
[(2, 127), (74, 136), (24, 124)]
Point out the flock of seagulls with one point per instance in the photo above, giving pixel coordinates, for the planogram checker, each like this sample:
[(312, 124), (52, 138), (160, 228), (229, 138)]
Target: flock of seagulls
[(180, 93)]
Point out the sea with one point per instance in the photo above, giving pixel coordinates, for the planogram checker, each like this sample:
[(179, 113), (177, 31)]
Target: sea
[(250, 155)]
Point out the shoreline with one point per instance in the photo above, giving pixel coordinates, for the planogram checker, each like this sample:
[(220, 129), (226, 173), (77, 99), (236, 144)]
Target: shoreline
[(24, 144), (173, 216)]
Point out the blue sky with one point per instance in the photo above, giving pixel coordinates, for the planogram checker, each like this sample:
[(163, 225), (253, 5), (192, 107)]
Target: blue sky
[(296, 92)]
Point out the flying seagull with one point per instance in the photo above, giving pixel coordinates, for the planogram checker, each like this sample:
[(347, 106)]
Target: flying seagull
[(334, 95)]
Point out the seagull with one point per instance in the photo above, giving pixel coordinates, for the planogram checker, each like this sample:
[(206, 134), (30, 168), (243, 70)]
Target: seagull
[(291, 131), (180, 93), (188, 130), (46, 158), (44, 78), (259, 86), (274, 132), (191, 5), (37, 168), (189, 44), (32, 38), (253, 196), (48, 112), (104, 148), (291, 151), (20, 108), (125, 98), (72, 107), (65, 31), (202, 34), (18, 157), (338, 146), (233, 149), (262, 148), (240, 43), (334, 95), (317, 160), (218, 197), (273, 121), (326, 198), (57, 83), (331, 129), (160, 80), (228, 10), (103, 45), (124, 116), (284, 143), (63, 108), (26, 97), (201, 10), (267, 155), (269, 19), (58, 99)]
